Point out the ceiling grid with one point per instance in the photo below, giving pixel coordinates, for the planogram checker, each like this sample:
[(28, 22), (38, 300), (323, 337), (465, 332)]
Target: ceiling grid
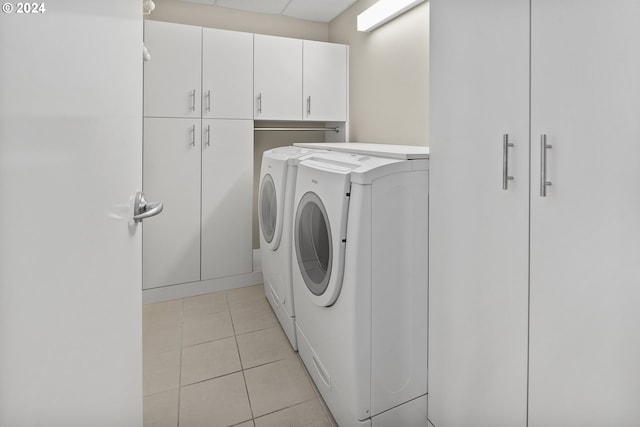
[(312, 10)]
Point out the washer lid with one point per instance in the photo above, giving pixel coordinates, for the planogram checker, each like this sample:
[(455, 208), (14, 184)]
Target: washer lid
[(359, 168), (288, 154), (390, 151)]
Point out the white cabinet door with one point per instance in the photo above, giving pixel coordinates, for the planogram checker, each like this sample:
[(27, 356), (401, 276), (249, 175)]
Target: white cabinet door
[(171, 174), (585, 235), (70, 253), (324, 81), (478, 272), (227, 74), (172, 76), (277, 78), (227, 197)]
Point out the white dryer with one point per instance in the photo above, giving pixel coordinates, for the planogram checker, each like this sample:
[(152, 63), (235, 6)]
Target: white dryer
[(360, 280), (275, 210)]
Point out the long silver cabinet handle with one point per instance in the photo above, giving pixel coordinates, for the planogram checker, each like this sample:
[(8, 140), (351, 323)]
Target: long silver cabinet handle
[(260, 103), (143, 209), (209, 101), (309, 105), (208, 135), (193, 135), (193, 100), (505, 161), (543, 165)]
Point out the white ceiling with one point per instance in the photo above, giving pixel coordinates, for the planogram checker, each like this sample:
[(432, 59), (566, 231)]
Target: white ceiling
[(312, 10)]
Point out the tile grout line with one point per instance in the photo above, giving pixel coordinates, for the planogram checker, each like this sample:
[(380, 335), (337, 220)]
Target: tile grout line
[(244, 379), (180, 361), (265, 364), (252, 421), (289, 407)]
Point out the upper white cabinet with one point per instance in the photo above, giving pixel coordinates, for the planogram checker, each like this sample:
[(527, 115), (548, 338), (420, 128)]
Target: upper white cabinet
[(227, 74), (324, 81), (211, 73), (533, 281), (172, 77), (197, 72), (299, 79), (277, 78)]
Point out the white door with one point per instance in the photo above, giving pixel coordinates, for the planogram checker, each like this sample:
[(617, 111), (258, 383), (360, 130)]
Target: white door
[(227, 74), (478, 272), (172, 174), (277, 78), (325, 81), (585, 234), (227, 198), (172, 78), (70, 254)]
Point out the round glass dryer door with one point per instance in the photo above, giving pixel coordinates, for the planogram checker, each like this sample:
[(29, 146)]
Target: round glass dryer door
[(268, 208), (314, 250)]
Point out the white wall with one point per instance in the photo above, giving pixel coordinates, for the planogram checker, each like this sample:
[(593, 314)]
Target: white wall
[(389, 75)]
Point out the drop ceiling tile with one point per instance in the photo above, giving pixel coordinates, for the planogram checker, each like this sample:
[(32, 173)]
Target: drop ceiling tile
[(273, 7), (314, 10)]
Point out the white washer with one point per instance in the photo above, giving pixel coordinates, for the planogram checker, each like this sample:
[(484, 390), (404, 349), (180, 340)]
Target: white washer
[(275, 210), (360, 281)]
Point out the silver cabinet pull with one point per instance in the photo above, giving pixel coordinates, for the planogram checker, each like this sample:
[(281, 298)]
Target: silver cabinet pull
[(309, 105), (209, 101), (193, 135), (505, 161), (260, 103), (193, 100), (543, 165), (143, 209), (208, 135)]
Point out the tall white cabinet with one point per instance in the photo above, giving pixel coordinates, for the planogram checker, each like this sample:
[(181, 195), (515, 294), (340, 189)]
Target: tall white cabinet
[(533, 317), (227, 203), (478, 267), (198, 158), (171, 173), (585, 235)]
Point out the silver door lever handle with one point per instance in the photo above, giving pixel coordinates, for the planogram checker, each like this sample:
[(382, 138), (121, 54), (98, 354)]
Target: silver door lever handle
[(143, 209)]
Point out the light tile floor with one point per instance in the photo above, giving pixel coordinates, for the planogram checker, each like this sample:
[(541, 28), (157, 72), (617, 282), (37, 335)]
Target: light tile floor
[(222, 360)]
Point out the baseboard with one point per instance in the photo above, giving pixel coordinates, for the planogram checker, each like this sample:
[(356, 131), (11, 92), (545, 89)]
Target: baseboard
[(191, 289)]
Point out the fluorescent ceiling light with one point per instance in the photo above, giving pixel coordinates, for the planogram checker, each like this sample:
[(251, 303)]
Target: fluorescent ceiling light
[(383, 11)]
